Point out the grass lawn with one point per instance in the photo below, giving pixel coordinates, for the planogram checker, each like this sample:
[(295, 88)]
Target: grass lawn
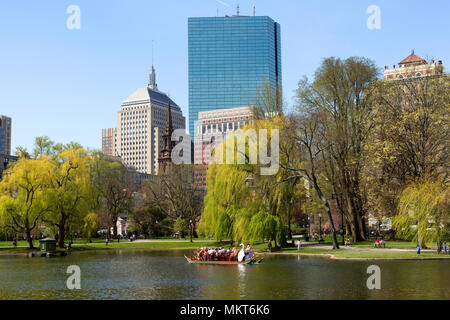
[(19, 243), (398, 244), (22, 243), (83, 245), (359, 254)]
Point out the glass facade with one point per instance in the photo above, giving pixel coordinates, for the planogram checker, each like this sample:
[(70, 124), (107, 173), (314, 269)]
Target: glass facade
[(229, 60), (5, 135)]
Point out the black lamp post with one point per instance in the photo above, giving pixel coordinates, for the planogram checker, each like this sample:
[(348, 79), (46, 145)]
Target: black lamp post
[(190, 222), (309, 227), (320, 227)]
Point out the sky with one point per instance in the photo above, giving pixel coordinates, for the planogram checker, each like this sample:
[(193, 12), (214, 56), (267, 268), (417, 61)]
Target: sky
[(68, 84)]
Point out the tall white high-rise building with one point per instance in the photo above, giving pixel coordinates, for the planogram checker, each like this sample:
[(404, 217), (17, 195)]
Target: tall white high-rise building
[(140, 120)]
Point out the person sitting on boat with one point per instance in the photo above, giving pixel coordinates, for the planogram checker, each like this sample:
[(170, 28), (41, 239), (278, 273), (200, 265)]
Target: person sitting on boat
[(234, 254), (248, 253), (211, 254), (201, 254)]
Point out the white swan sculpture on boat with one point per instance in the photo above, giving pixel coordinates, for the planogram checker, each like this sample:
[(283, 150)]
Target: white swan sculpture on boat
[(241, 254)]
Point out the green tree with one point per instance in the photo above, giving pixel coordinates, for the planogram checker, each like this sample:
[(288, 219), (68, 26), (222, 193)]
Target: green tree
[(226, 194), (69, 194), (22, 152), (340, 99), (424, 211), (240, 203), (90, 225), (177, 194), (151, 221), (113, 187), (42, 146), (180, 226), (409, 140), (22, 195)]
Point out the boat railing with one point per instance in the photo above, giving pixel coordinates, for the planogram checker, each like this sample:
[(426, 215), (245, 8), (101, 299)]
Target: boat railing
[(206, 257)]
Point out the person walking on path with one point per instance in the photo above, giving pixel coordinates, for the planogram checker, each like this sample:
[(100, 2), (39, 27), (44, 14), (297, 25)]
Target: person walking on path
[(299, 245), (269, 246), (418, 249), (445, 247)]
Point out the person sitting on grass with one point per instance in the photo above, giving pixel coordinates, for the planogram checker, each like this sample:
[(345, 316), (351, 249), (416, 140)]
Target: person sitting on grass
[(348, 242), (377, 244), (382, 243)]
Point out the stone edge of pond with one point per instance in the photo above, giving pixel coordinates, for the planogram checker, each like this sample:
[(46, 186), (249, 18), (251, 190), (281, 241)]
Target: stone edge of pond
[(334, 257)]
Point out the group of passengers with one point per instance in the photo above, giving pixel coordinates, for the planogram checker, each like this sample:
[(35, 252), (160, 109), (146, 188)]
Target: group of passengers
[(220, 254)]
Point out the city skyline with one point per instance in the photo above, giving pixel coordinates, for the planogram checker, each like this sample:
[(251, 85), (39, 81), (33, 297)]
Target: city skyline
[(78, 78)]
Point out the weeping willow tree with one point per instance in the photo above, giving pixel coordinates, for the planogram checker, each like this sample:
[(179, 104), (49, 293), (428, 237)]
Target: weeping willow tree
[(234, 211), (241, 203), (423, 211), (227, 194)]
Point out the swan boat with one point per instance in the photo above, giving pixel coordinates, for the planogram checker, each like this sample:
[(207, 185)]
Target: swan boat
[(241, 260), (249, 261)]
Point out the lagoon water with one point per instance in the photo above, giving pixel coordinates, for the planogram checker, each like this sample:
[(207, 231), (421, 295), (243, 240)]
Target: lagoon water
[(165, 275)]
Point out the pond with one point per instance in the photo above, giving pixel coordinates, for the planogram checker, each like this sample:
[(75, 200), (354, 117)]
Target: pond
[(165, 275)]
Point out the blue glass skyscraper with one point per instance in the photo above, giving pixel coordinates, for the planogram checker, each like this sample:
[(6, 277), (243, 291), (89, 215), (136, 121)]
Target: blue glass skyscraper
[(229, 60), (5, 135)]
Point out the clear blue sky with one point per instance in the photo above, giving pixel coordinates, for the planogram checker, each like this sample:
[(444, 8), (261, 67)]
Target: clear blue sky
[(69, 84)]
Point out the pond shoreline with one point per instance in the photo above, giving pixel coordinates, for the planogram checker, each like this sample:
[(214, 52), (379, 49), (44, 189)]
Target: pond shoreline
[(334, 257), (84, 249)]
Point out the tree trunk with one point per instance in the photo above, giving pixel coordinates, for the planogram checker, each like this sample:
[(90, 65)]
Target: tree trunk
[(362, 227), (30, 241), (422, 243), (62, 233), (289, 214), (438, 240), (115, 230), (333, 231), (145, 233), (330, 217)]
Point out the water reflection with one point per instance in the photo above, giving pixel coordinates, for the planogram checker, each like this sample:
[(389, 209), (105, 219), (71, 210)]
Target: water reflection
[(241, 281), (147, 274)]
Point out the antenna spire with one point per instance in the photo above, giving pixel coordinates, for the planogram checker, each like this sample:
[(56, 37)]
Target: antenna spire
[(254, 11), (238, 10)]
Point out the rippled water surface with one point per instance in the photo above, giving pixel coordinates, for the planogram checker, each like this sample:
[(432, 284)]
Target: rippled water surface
[(149, 274)]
